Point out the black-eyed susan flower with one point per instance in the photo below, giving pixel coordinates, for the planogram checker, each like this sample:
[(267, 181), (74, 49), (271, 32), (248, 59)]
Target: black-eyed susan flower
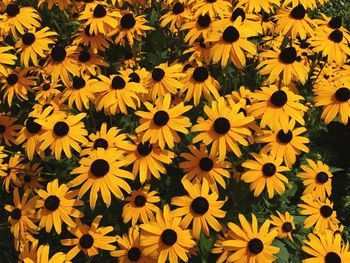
[(218, 248), (22, 217), (100, 17), (34, 45), (165, 238), (11, 170), (130, 28), (198, 82), (8, 129), (249, 243), (161, 124), (130, 249), (320, 214), (317, 179), (101, 172), (306, 3), (62, 4), (6, 58), (30, 177), (327, 247), (200, 165), (89, 239), (62, 132), (229, 42), (273, 106), (199, 207), (199, 51), (199, 27), (18, 18), (284, 224), (176, 17), (224, 128), (335, 100), (116, 93), (47, 90), (140, 206), (57, 205), (215, 8), (255, 6), (89, 63), (265, 172), (42, 255), (294, 22), (285, 144), (95, 42), (80, 92), (283, 62), (147, 159), (164, 79)]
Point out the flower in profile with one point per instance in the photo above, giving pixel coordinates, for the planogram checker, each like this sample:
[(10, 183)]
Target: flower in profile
[(327, 247), (8, 130), (265, 171), (224, 128), (199, 207), (89, 239), (284, 224), (215, 8), (41, 255), (89, 63), (141, 206), (255, 6), (11, 170), (130, 249), (161, 124), (200, 166), (6, 59), (62, 4), (317, 179), (249, 243), (101, 172), (95, 42), (320, 214), (56, 205), (165, 238)]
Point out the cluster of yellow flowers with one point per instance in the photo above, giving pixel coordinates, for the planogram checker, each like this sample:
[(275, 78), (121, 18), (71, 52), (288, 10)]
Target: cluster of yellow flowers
[(123, 125)]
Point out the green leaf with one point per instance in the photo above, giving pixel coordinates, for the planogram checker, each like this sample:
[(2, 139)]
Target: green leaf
[(334, 169), (283, 255), (205, 245)]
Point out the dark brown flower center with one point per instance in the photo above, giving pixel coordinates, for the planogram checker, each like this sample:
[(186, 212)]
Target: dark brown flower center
[(140, 200), (12, 79), (100, 11), (321, 177), (46, 87), (27, 178), (206, 164), (200, 205), (222, 125), (28, 39), (78, 83), (134, 254), (284, 138), (298, 12), (287, 227), (288, 55), (158, 74), (161, 118), (61, 128), (118, 83), (335, 23), (279, 98), (100, 143), (84, 56), (230, 34), (269, 169), (200, 74), (58, 54), (239, 12), (16, 214), (326, 211), (127, 21), (134, 77), (332, 257), (342, 94), (52, 202), (336, 36), (32, 126), (204, 21), (99, 167), (178, 8), (2, 128), (255, 246), (86, 241), (168, 237), (12, 10), (144, 149)]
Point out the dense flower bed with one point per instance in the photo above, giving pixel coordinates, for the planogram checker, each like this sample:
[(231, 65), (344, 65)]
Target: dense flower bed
[(145, 131)]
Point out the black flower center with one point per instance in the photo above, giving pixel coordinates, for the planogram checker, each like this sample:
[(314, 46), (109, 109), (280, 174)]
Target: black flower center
[(27, 178), (178, 8), (2, 128), (134, 77), (255, 246), (287, 227), (61, 128), (144, 149), (100, 143), (58, 54), (336, 36), (332, 257), (230, 34), (78, 83), (12, 79), (326, 211), (288, 55), (127, 21), (169, 237), (118, 82), (206, 164), (222, 125), (200, 205), (52, 202), (12, 10), (158, 74), (140, 200), (161, 118), (99, 167), (211, 1), (269, 169), (28, 39), (200, 74), (279, 98), (322, 177), (204, 21), (284, 137), (86, 241), (335, 22), (298, 12), (32, 126), (239, 12), (16, 214), (342, 94), (100, 11), (84, 56), (46, 86), (134, 254)]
